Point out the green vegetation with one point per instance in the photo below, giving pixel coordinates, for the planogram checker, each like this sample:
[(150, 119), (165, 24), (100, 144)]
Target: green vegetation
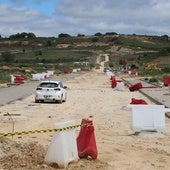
[(31, 54), (52, 56), (5, 76)]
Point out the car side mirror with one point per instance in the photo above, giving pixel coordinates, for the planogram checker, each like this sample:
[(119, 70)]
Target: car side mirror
[(65, 87)]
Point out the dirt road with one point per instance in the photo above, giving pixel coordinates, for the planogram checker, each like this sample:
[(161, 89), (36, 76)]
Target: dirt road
[(89, 94)]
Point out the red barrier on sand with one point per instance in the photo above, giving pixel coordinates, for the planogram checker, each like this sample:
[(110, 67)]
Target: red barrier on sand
[(113, 82), (66, 71), (166, 81), (136, 86), (112, 77), (19, 78), (86, 142), (138, 101)]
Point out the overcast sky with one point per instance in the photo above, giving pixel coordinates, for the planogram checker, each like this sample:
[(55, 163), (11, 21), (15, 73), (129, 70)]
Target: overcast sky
[(51, 17)]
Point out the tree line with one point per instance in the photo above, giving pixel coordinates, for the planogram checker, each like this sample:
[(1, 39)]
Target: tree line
[(31, 35)]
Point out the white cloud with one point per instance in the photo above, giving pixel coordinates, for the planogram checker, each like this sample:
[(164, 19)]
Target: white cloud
[(88, 17), (107, 15)]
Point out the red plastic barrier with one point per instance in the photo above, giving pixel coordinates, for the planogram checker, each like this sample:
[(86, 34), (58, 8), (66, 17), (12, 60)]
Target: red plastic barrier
[(66, 71), (166, 81), (136, 86), (138, 101), (113, 81), (19, 78), (86, 142), (112, 77)]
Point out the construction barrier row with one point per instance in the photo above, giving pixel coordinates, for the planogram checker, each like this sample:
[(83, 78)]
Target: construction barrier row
[(65, 147), (138, 86), (19, 79), (144, 116), (42, 76)]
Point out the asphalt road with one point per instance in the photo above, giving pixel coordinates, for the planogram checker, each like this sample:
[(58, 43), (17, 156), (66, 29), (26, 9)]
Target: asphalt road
[(17, 92)]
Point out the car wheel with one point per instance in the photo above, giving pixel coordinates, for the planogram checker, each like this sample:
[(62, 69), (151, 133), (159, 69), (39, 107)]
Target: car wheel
[(65, 98), (61, 100), (36, 101)]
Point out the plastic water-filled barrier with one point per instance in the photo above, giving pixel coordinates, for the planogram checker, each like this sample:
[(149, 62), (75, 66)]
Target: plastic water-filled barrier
[(63, 147), (136, 86), (113, 82), (17, 78), (138, 101), (86, 142), (166, 81), (148, 117)]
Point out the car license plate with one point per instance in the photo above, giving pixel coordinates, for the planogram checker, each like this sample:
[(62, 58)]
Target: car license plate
[(47, 96)]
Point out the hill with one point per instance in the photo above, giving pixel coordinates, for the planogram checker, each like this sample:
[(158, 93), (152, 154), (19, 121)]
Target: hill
[(39, 54)]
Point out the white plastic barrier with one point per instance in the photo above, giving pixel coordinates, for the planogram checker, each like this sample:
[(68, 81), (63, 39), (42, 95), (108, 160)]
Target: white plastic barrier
[(109, 73), (40, 76), (148, 117), (63, 147), (12, 78), (75, 70), (50, 73), (37, 76), (120, 86)]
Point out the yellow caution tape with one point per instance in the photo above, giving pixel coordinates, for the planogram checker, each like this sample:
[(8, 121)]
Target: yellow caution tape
[(43, 131), (5, 113)]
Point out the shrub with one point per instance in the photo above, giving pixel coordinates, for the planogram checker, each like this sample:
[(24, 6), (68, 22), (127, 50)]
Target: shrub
[(153, 79), (166, 69)]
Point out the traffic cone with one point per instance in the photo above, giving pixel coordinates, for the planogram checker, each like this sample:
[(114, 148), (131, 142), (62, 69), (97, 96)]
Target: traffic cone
[(86, 143)]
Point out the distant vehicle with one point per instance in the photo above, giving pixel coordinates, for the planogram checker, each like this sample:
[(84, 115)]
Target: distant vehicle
[(50, 91), (106, 69)]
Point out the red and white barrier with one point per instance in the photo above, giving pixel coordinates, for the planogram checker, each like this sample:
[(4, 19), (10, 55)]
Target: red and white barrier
[(65, 147), (42, 76), (17, 79)]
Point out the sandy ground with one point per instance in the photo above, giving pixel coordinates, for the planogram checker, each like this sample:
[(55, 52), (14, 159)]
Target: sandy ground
[(88, 95)]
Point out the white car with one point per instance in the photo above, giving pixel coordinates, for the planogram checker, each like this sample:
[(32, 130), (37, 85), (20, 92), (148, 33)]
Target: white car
[(52, 91)]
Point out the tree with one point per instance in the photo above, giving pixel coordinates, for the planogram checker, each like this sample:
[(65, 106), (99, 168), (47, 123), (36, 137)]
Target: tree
[(31, 35), (63, 35), (165, 36), (80, 35), (111, 33), (98, 34), (23, 35), (48, 43)]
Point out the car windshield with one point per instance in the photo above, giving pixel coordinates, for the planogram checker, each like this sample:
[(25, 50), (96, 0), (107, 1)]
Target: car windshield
[(48, 85)]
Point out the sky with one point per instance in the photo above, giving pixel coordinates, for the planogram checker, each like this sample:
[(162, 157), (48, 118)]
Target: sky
[(49, 18)]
